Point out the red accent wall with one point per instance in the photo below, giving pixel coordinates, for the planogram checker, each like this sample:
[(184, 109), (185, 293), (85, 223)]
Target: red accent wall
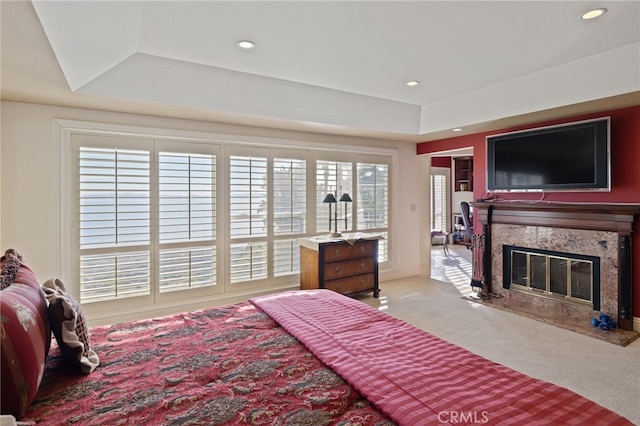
[(625, 170), (441, 162)]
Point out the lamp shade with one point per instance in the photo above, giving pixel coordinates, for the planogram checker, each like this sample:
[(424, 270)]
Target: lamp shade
[(329, 199), (345, 197)]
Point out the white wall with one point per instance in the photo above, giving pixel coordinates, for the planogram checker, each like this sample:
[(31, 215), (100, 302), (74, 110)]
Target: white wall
[(29, 208), (457, 197)]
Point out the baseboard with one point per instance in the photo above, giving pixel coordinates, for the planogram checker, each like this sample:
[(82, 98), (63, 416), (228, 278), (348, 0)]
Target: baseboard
[(636, 323)]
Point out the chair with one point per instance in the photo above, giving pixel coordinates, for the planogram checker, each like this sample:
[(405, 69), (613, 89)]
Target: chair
[(444, 239), (465, 211)]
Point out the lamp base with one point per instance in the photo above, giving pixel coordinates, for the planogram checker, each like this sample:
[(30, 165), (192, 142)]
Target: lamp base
[(335, 234)]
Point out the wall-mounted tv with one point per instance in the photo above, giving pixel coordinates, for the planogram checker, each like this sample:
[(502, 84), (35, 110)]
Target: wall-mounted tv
[(568, 157)]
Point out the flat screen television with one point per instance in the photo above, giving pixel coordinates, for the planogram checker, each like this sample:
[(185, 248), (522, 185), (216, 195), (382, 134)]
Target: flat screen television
[(568, 157)]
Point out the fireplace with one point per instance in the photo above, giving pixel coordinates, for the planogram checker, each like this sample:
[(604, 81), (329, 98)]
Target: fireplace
[(559, 262), (566, 277)]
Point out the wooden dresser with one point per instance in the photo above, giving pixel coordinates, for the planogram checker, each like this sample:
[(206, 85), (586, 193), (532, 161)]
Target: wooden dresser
[(338, 264)]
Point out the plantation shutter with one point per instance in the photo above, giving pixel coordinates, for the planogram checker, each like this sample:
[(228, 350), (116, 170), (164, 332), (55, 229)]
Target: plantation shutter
[(289, 213), (143, 221), (373, 199), (187, 227), (114, 223), (439, 202), (336, 178), (373, 203), (248, 218)]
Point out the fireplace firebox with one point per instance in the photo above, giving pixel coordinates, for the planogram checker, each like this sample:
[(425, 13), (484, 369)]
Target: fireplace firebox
[(567, 277)]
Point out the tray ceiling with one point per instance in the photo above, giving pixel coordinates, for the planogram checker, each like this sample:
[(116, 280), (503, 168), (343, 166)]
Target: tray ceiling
[(342, 64)]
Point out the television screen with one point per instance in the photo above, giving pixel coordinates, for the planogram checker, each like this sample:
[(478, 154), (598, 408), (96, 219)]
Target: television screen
[(573, 156)]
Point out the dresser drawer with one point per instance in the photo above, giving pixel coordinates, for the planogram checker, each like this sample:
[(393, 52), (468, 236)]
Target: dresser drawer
[(344, 251), (340, 266), (352, 284), (348, 268)]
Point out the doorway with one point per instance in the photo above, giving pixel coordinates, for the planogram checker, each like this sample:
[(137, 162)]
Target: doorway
[(440, 190), (450, 182)]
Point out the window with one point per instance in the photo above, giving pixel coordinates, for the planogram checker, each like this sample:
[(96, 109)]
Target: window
[(373, 203), (289, 213), (114, 223), (369, 209), (187, 194), (373, 196), (439, 202), (146, 227), (248, 217), (335, 178), (135, 230), (268, 209)]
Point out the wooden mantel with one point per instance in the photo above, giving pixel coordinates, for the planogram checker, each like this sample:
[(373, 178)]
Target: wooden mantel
[(602, 217), (618, 218)]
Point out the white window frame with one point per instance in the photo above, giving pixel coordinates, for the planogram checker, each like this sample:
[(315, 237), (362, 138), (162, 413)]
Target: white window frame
[(194, 148), (154, 147), (270, 237), (119, 250), (361, 158), (258, 155), (443, 174), (120, 310), (297, 155)]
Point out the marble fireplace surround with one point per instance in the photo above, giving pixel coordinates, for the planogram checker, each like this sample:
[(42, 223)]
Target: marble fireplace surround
[(601, 230)]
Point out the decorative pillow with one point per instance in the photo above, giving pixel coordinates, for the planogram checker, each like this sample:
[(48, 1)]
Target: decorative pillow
[(11, 263), (69, 326)]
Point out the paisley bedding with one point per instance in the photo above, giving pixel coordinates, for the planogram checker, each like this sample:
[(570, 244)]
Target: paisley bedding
[(224, 365)]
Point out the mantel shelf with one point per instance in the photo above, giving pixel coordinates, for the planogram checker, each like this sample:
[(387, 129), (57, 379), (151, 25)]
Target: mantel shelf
[(605, 217)]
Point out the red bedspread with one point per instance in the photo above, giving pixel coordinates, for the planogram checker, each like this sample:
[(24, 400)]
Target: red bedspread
[(227, 365), (417, 378)]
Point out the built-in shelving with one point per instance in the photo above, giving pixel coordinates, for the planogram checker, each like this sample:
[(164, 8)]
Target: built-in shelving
[(463, 174)]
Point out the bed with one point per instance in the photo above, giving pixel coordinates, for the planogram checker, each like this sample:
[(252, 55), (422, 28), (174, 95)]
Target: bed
[(294, 358)]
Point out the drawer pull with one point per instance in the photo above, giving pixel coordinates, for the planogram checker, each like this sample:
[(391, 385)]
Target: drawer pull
[(338, 252), (363, 250), (337, 269), (363, 266), (362, 282)]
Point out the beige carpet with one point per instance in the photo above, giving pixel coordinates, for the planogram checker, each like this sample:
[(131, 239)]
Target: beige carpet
[(603, 372)]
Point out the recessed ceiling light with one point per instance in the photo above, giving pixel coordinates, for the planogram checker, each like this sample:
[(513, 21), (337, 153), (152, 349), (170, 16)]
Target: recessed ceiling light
[(413, 83), (457, 129), (593, 14), (246, 44)]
